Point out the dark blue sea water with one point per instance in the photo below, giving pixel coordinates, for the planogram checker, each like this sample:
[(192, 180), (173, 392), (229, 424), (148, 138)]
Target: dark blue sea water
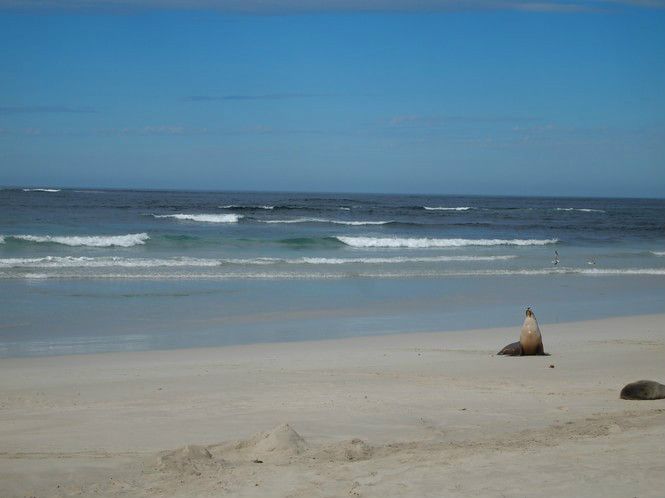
[(101, 270)]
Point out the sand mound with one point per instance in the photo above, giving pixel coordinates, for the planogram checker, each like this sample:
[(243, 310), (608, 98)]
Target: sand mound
[(279, 443), (188, 459), (356, 449), (349, 451)]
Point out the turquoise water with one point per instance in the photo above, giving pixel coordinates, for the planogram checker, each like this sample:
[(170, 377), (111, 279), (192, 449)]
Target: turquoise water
[(92, 271)]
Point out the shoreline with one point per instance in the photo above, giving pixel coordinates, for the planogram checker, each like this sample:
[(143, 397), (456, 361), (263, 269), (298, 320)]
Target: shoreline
[(323, 341), (439, 408), (159, 326)]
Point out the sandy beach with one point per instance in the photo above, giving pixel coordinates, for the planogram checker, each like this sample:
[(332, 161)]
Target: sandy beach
[(436, 414), (293, 249)]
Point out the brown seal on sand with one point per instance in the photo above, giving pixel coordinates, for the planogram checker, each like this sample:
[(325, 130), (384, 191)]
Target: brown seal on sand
[(530, 343), (643, 389)]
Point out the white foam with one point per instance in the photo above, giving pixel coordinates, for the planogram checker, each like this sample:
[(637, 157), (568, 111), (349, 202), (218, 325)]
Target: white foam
[(357, 223), (324, 220), (120, 262), (583, 210), (237, 206), (439, 208), (525, 272), (128, 240), (103, 262), (658, 253), (561, 271), (41, 190), (282, 275), (626, 271), (425, 243), (345, 208), (204, 218), (433, 259), (2, 239)]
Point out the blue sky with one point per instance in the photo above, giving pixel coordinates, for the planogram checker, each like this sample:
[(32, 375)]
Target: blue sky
[(483, 97)]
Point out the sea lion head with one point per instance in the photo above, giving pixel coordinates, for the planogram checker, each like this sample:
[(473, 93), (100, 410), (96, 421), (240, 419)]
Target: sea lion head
[(529, 312)]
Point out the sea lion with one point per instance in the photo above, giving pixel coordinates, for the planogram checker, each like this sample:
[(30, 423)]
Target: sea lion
[(530, 343), (643, 389)]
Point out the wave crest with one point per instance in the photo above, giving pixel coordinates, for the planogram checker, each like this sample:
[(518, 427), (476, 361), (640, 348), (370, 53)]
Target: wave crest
[(324, 220), (285, 275), (426, 243), (399, 259), (120, 262), (440, 208), (129, 240), (204, 218), (583, 210), (102, 262), (238, 206)]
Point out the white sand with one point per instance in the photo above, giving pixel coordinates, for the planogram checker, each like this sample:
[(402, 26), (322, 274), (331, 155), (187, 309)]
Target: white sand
[(406, 415)]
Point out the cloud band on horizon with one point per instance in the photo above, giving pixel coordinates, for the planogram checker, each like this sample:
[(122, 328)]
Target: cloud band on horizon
[(267, 96), (276, 7), (45, 109)]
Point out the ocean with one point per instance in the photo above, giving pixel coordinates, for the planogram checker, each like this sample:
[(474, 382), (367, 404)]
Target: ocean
[(85, 271)]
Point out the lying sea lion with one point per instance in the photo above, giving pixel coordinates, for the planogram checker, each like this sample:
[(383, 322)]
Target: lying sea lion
[(530, 343), (643, 389)]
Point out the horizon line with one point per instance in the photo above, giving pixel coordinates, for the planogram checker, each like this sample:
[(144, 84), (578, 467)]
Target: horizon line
[(328, 192)]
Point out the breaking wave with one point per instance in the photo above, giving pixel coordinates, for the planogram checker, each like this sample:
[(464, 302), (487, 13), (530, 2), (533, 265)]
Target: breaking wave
[(314, 275), (324, 220), (583, 210), (405, 259), (41, 190), (438, 208), (426, 243), (237, 206), (120, 262), (128, 240), (102, 262), (204, 218)]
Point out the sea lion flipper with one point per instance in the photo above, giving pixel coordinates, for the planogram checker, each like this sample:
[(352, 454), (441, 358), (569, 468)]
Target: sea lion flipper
[(541, 350), (513, 349)]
